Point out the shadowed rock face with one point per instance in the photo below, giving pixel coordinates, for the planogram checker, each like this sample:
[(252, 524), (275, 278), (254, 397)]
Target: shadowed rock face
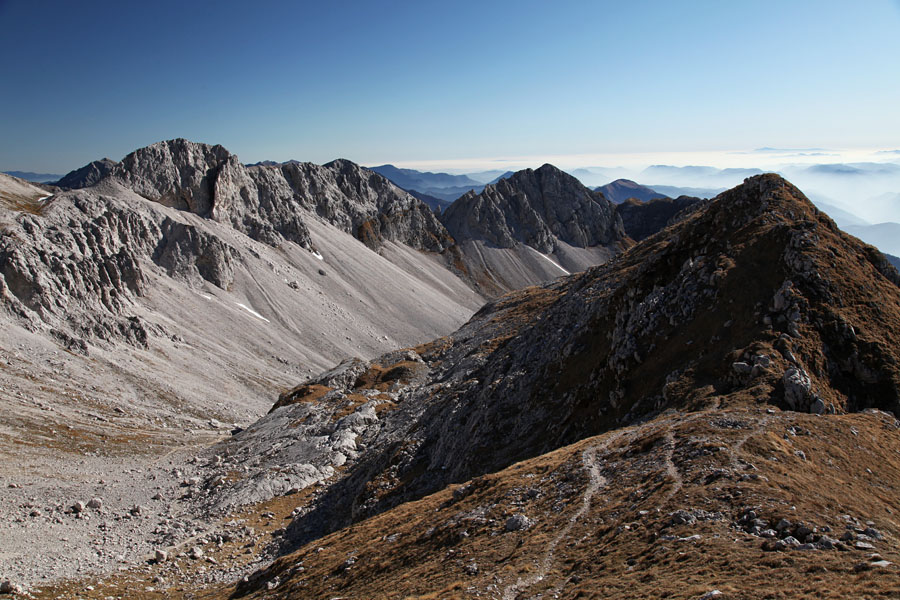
[(752, 297), (535, 208), (643, 219)]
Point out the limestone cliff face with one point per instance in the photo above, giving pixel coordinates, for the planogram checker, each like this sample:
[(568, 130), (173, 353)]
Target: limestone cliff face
[(267, 202), (79, 261), (175, 173), (536, 208), (356, 200)]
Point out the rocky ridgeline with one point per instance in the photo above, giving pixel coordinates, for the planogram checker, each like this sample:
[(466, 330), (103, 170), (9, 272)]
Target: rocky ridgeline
[(87, 248), (753, 297), (267, 202), (536, 208), (356, 200)]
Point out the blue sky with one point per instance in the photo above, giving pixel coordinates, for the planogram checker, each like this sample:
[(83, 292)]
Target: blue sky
[(409, 82)]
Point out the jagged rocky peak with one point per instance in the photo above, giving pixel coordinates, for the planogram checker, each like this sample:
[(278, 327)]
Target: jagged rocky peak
[(266, 201), (754, 297), (535, 208), (88, 175), (177, 173), (354, 199)]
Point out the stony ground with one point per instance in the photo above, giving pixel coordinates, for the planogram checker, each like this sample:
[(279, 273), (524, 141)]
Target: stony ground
[(747, 502), (128, 415), (752, 502)]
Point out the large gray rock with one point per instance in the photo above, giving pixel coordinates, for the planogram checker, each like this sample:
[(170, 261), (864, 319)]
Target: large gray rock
[(529, 228), (175, 173)]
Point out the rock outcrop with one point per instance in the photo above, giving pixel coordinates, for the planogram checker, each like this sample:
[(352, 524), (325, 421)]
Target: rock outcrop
[(77, 261), (356, 200), (267, 202), (77, 265)]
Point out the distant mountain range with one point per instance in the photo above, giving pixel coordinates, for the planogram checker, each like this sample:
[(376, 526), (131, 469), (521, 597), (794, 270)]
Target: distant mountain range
[(884, 236), (673, 191), (35, 177), (438, 190)]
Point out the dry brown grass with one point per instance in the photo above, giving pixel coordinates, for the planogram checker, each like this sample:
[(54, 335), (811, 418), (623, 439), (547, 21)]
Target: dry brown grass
[(617, 549), (302, 393)]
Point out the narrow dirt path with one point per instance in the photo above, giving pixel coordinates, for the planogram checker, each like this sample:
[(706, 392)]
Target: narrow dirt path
[(596, 483), (671, 469), (760, 426)]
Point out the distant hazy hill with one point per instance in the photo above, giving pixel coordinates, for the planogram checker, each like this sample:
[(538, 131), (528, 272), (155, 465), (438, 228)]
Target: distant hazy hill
[(884, 236), (864, 168), (893, 260), (620, 190), (673, 191), (438, 189), (419, 180), (434, 203), (36, 177), (592, 176), (492, 176), (842, 217)]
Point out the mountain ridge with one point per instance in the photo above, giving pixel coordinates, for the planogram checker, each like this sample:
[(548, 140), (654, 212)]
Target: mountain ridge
[(613, 347)]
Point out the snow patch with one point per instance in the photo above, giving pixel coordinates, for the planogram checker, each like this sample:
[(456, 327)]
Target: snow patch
[(549, 260), (252, 312), (317, 255)]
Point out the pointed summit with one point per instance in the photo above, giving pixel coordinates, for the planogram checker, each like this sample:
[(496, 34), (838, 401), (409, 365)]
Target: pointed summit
[(532, 226)]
